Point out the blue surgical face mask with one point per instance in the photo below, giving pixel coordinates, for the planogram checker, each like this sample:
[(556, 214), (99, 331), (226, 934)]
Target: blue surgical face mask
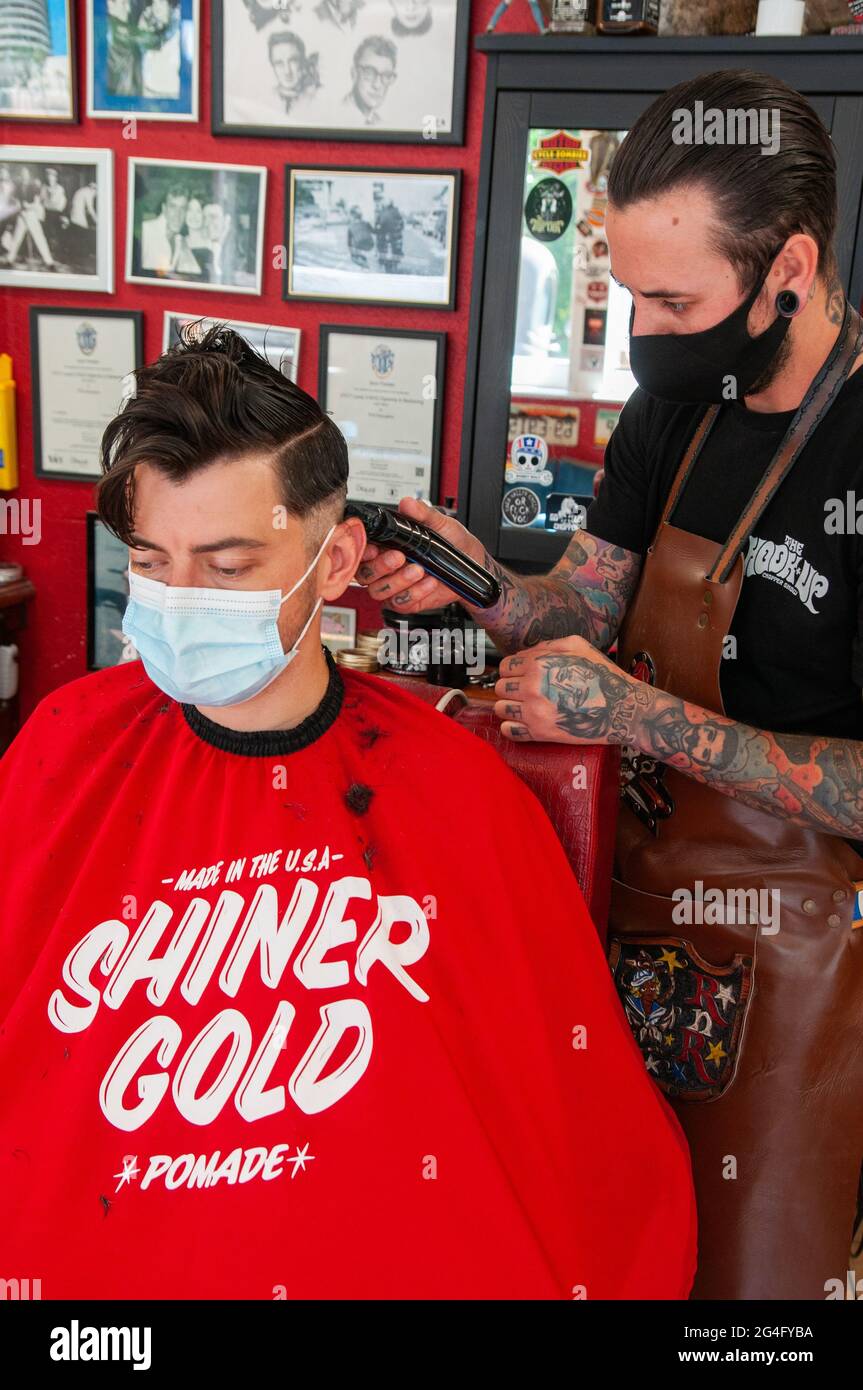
[(210, 646)]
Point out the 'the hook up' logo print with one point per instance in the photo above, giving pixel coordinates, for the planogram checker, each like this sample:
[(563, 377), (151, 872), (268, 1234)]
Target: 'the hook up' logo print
[(784, 564)]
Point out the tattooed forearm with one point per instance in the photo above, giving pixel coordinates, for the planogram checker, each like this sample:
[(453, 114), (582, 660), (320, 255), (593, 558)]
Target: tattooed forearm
[(533, 609), (813, 782), (585, 595)]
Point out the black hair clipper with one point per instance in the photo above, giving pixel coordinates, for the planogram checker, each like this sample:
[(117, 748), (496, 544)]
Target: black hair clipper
[(395, 531)]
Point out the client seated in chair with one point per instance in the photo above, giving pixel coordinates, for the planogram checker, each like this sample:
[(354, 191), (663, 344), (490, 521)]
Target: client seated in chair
[(299, 990)]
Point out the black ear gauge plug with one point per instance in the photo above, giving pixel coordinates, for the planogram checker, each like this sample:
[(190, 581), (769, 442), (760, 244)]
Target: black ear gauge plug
[(787, 303)]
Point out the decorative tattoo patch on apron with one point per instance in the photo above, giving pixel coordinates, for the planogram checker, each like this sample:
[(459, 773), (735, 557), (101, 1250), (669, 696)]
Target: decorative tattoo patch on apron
[(685, 1014)]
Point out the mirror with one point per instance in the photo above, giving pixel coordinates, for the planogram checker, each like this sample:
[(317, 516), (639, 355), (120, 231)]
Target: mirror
[(570, 360)]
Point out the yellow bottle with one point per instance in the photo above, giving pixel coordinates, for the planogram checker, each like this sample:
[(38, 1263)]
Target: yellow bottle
[(8, 432)]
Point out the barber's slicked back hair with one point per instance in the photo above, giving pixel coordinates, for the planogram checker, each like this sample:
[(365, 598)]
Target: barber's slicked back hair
[(760, 199), (211, 399)]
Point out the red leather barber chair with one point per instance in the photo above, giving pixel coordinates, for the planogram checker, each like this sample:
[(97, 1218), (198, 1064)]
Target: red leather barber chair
[(585, 818)]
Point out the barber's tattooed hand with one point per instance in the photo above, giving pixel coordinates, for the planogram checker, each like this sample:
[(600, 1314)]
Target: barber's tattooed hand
[(566, 691)]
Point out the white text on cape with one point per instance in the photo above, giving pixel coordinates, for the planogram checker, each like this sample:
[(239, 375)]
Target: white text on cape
[(207, 939)]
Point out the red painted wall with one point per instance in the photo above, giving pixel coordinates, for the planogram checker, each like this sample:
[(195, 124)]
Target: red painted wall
[(53, 649)]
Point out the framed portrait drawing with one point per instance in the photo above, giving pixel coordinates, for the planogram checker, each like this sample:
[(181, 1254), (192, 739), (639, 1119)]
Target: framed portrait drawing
[(391, 70), (56, 218), (384, 389), (280, 346), (81, 363), (372, 236), (37, 61), (107, 596), (142, 59), (196, 224)]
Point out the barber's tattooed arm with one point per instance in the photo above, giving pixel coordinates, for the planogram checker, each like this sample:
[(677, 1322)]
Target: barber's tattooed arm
[(568, 692), (813, 782), (585, 595)]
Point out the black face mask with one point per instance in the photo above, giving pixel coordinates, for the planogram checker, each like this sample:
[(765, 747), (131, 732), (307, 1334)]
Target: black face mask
[(696, 366)]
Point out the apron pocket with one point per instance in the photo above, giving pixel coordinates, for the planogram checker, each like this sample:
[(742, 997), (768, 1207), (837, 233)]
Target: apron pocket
[(686, 1014)]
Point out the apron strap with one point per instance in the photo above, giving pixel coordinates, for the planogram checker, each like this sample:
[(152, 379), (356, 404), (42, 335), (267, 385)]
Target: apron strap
[(815, 404), (695, 446)]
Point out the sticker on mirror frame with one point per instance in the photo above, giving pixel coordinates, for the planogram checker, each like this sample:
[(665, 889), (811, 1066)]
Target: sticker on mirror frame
[(604, 424), (565, 512), (528, 461), (520, 506), (548, 210)]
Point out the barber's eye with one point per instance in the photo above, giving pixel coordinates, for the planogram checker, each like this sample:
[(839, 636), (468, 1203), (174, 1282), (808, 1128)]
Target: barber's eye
[(676, 308), (142, 565), (235, 573)]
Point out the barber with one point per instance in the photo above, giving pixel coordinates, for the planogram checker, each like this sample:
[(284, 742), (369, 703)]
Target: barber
[(722, 557)]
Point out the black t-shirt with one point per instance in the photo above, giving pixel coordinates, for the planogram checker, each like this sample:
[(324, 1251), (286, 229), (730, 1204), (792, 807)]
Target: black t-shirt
[(798, 666)]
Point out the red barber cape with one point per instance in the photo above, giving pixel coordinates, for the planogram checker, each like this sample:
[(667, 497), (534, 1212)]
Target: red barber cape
[(317, 1013)]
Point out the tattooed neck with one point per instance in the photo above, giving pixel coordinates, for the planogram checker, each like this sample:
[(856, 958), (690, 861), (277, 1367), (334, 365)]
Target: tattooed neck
[(834, 306)]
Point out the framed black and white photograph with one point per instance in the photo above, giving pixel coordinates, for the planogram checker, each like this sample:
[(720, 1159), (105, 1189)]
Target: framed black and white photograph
[(196, 224), (107, 596), (142, 59), (82, 363), (37, 61), (56, 218), (280, 346), (391, 70), (372, 236), (384, 390)]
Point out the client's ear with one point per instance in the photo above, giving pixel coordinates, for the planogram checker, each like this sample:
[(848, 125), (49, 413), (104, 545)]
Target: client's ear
[(343, 555)]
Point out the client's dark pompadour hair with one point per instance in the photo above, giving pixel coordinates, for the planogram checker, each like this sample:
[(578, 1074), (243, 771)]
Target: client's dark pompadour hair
[(213, 398)]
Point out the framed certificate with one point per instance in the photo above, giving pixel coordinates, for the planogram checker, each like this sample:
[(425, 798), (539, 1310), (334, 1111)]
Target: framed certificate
[(384, 389), (81, 360)]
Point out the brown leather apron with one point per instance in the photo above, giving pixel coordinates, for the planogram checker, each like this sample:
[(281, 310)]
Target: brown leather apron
[(755, 1034)]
